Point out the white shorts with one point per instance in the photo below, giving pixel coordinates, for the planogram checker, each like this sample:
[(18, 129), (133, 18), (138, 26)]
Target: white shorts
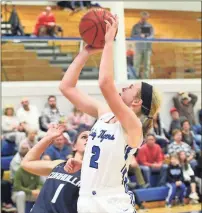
[(105, 204)]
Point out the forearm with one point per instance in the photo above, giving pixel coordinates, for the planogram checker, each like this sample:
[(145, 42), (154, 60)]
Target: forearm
[(193, 97), (106, 73), (72, 74)]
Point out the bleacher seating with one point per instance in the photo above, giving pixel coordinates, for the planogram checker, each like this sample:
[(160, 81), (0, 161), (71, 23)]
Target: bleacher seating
[(17, 67), (168, 59)]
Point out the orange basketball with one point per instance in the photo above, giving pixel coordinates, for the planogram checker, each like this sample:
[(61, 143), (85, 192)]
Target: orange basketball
[(92, 27)]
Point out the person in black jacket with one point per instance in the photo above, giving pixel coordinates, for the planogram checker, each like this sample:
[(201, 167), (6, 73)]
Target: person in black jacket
[(175, 181)]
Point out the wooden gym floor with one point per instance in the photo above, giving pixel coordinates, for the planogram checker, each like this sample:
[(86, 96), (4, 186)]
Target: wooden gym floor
[(178, 209)]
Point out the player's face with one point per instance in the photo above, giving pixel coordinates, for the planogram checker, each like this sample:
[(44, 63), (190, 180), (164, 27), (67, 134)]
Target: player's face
[(81, 142), (129, 94)]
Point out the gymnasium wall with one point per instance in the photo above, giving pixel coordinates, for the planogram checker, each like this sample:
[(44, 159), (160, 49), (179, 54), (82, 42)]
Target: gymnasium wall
[(39, 91)]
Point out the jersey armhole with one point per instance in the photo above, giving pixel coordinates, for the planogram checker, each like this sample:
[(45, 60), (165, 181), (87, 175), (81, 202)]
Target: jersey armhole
[(59, 162)]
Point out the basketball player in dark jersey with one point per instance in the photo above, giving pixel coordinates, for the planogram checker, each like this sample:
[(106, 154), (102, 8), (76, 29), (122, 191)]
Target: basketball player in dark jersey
[(61, 189)]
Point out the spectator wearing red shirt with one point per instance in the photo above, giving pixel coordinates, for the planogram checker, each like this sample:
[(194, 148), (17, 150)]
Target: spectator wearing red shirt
[(45, 23), (150, 158)]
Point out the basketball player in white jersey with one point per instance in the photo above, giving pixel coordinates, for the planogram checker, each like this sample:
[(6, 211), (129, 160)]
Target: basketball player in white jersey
[(115, 136)]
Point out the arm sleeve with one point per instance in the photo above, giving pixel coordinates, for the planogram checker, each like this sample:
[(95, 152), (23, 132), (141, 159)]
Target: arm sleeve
[(142, 158), (160, 156), (49, 153), (39, 183), (5, 126), (44, 121), (177, 103), (181, 176), (190, 151), (194, 98), (134, 33), (169, 176), (18, 184), (151, 32)]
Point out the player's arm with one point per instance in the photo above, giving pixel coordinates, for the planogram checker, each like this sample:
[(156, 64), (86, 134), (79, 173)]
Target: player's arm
[(68, 86), (32, 163), (125, 115)]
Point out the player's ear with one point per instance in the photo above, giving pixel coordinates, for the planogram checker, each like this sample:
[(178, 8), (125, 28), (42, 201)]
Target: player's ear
[(137, 102)]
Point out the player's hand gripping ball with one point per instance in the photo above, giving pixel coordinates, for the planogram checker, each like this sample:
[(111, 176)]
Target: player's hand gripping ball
[(92, 27)]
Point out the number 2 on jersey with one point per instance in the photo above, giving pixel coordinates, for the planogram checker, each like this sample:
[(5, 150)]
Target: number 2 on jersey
[(95, 157)]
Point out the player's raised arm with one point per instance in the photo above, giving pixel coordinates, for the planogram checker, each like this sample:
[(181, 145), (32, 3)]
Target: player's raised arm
[(68, 84), (124, 114), (32, 163)]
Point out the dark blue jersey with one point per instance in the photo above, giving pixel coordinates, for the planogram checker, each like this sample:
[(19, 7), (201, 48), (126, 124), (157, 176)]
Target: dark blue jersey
[(60, 192)]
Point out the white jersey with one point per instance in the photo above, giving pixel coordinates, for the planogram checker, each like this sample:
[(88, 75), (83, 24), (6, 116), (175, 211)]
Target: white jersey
[(106, 159)]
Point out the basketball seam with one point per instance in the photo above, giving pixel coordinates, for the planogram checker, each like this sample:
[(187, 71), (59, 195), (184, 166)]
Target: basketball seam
[(95, 25), (87, 30), (99, 21)]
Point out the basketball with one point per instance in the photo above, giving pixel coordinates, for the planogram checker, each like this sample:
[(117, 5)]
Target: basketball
[(92, 27)]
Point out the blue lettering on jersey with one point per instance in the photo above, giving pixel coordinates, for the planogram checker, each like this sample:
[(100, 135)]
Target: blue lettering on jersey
[(103, 135), (93, 134)]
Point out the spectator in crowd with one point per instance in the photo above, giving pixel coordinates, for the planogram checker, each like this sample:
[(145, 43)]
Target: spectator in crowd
[(143, 30), (70, 131), (198, 174), (130, 66), (178, 146), (12, 129), (51, 114), (160, 133), (189, 177), (61, 149), (185, 102), (6, 202), (46, 23), (198, 127), (77, 120), (150, 158), (188, 136), (175, 123), (175, 181), (31, 138), (28, 114), (26, 187), (134, 168), (16, 161)]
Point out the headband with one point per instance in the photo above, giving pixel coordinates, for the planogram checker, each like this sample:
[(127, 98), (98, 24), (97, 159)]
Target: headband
[(146, 96)]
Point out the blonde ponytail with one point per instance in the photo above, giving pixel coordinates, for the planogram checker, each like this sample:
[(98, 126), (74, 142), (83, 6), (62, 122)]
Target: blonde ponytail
[(147, 122)]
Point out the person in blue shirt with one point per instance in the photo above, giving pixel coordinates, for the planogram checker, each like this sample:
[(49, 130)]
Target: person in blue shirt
[(61, 149), (61, 189)]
